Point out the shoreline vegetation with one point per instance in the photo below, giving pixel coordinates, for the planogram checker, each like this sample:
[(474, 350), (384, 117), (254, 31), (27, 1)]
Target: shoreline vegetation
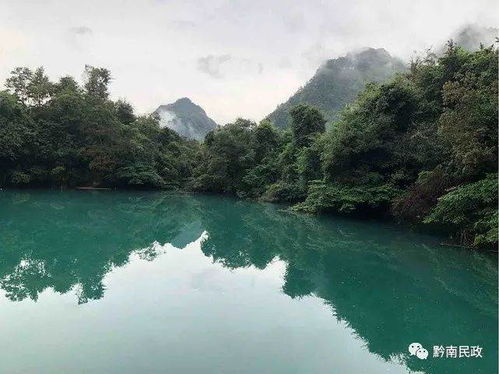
[(420, 148)]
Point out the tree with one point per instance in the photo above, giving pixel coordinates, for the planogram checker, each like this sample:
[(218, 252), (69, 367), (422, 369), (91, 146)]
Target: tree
[(31, 88), (39, 87), (97, 81), (421, 147), (265, 140), (226, 156), (468, 123), (306, 122), (60, 134), (17, 137), (124, 111), (18, 83)]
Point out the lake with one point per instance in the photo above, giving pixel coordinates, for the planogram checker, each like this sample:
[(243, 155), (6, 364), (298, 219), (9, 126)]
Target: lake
[(151, 282)]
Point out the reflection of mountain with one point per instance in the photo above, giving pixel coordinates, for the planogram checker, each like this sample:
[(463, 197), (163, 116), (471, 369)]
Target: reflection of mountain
[(392, 287), (189, 232)]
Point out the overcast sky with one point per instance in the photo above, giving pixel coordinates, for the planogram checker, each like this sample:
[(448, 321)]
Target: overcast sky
[(234, 58)]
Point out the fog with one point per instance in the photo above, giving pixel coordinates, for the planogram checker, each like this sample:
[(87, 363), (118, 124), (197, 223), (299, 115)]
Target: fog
[(233, 58)]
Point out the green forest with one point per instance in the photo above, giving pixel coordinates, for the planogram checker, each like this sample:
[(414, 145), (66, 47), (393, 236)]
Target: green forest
[(420, 148)]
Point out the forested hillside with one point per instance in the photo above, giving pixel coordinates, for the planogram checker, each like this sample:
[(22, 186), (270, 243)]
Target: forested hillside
[(63, 134), (337, 82), (419, 148)]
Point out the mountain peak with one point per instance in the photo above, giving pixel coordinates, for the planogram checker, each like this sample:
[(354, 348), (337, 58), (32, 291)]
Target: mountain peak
[(184, 100), (186, 118), (338, 81)]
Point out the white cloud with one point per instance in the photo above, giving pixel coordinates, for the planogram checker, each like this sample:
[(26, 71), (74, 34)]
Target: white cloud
[(212, 65), (153, 48)]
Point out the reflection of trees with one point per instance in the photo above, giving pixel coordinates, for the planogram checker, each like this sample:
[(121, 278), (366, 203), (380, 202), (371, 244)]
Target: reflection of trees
[(390, 286), (236, 237), (61, 240)]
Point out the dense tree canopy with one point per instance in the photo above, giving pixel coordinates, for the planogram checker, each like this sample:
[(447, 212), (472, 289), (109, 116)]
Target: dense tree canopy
[(404, 145), (414, 148), (64, 134), (420, 148)]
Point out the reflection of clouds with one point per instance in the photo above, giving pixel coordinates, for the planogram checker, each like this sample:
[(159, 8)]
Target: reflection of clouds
[(28, 265), (151, 252), (366, 272), (91, 239), (156, 249), (208, 280), (213, 279)]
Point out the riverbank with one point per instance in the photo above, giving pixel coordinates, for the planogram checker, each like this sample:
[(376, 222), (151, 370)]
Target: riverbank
[(435, 232), (177, 271), (420, 148)]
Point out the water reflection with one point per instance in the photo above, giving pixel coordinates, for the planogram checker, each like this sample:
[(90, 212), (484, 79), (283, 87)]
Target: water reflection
[(392, 287)]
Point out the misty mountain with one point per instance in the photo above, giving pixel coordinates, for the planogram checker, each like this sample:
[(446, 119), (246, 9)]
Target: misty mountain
[(185, 118), (470, 37), (338, 81)]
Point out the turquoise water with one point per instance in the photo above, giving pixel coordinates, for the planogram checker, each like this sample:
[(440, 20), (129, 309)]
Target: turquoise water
[(142, 282)]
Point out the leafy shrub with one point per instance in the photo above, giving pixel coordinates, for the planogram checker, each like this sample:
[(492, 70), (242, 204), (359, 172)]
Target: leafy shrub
[(323, 197), (139, 175), (469, 212), (18, 177), (284, 192), (417, 201)]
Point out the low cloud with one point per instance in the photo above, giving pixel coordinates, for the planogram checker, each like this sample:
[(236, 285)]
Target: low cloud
[(182, 25), (229, 67), (316, 54), (294, 22), (284, 63), (260, 68), (81, 30), (212, 65)]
